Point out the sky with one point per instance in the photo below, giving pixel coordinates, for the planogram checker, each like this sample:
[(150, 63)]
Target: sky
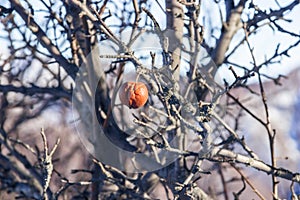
[(264, 42)]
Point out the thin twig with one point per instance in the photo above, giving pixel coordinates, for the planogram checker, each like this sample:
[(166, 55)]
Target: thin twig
[(46, 163)]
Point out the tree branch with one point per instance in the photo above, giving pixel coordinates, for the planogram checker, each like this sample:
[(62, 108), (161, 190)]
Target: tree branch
[(229, 29), (70, 68), (257, 164), (36, 90)]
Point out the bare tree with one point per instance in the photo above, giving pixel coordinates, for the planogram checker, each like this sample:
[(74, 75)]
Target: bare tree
[(73, 56)]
